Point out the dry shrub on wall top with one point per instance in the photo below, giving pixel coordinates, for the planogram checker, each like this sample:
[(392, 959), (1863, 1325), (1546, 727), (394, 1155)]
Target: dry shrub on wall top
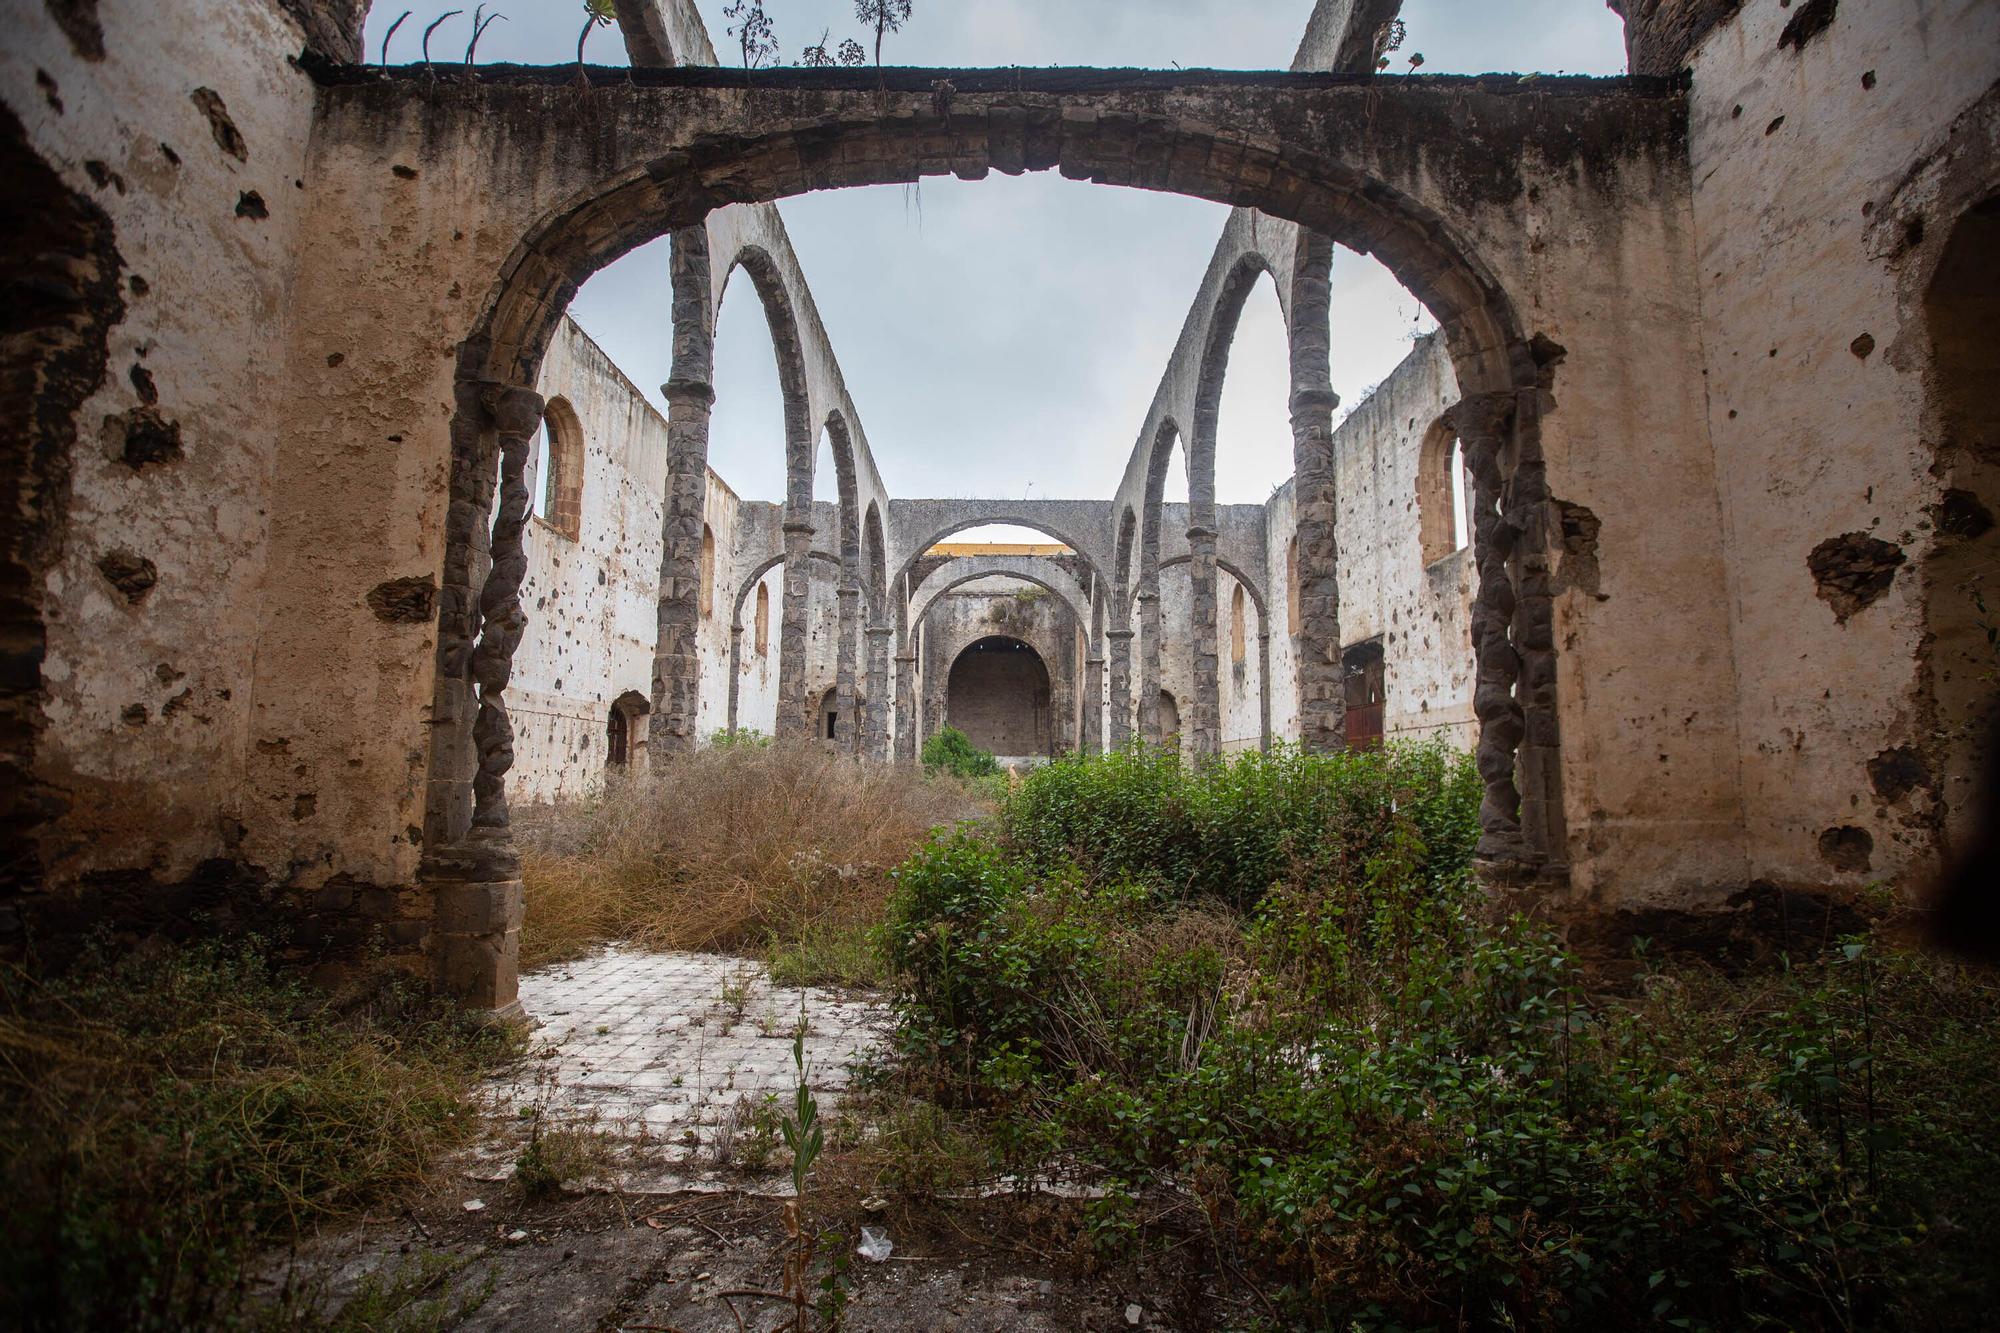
[(739, 847)]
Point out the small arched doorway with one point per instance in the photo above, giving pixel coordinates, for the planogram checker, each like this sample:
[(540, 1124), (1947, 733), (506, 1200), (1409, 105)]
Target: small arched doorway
[(998, 695), (1170, 720), (625, 732)]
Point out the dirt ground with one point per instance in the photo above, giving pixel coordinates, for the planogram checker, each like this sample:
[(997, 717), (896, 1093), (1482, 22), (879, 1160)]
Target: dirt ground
[(668, 1263)]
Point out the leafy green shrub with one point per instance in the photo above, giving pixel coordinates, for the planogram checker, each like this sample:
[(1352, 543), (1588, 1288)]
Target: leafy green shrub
[(164, 1114), (953, 751), (1229, 830), (1272, 986)]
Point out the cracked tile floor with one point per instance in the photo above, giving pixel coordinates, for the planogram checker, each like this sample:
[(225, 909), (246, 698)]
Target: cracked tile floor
[(672, 1052)]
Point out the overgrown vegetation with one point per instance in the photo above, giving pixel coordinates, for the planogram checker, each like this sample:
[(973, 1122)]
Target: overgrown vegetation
[(952, 751), (166, 1113), (1260, 1008), (780, 850)]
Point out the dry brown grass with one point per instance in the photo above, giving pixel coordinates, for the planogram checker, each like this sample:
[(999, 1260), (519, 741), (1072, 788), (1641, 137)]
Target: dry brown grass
[(743, 849)]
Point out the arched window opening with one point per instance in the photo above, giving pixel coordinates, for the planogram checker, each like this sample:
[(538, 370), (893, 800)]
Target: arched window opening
[(558, 496), (1236, 629), (707, 571), (1292, 585), (1444, 494), (1959, 570), (763, 620), (1170, 720)]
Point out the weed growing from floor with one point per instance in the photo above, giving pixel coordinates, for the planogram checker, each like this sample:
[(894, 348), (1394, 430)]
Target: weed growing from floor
[(1265, 995), (165, 1114)]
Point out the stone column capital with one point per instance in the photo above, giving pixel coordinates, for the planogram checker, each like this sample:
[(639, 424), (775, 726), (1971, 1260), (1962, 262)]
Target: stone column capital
[(1119, 635), (1197, 532), (697, 392), (1314, 398), (514, 409), (879, 631), (798, 527)]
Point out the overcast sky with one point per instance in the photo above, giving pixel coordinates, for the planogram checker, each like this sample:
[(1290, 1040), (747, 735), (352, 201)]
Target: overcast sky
[(1004, 337)]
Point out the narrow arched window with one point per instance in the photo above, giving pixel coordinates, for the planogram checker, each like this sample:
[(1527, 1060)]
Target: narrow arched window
[(1444, 507), (1292, 586), (763, 620), (1236, 646), (558, 493), (707, 571)]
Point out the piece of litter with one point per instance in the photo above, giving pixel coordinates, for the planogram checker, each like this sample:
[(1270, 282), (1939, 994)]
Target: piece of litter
[(875, 1245), (475, 1205), (874, 1203), (1133, 1314), (703, 1277), (516, 1237)]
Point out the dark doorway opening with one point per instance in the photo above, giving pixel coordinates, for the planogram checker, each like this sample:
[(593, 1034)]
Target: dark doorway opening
[(1366, 684)]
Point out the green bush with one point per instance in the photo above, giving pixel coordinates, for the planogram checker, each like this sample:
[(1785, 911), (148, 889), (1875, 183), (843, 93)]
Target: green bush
[(164, 1115), (1271, 987), (953, 752), (1228, 830)]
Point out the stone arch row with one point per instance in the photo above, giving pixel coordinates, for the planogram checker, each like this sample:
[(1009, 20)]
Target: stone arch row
[(754, 144), (1184, 414), (751, 240)]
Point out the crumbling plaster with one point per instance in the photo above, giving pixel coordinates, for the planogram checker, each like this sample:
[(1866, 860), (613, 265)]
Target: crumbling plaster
[(1798, 153), (1420, 612), (150, 728)]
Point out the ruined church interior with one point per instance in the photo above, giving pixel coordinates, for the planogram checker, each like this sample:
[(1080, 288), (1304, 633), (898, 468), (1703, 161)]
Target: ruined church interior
[(894, 665)]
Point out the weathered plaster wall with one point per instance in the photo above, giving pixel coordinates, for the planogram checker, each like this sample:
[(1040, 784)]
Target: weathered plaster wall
[(1816, 360), (188, 128), (1421, 613), (591, 600)]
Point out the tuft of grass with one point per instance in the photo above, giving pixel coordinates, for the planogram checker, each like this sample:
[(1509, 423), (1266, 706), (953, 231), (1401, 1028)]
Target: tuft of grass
[(776, 848), (166, 1113)]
